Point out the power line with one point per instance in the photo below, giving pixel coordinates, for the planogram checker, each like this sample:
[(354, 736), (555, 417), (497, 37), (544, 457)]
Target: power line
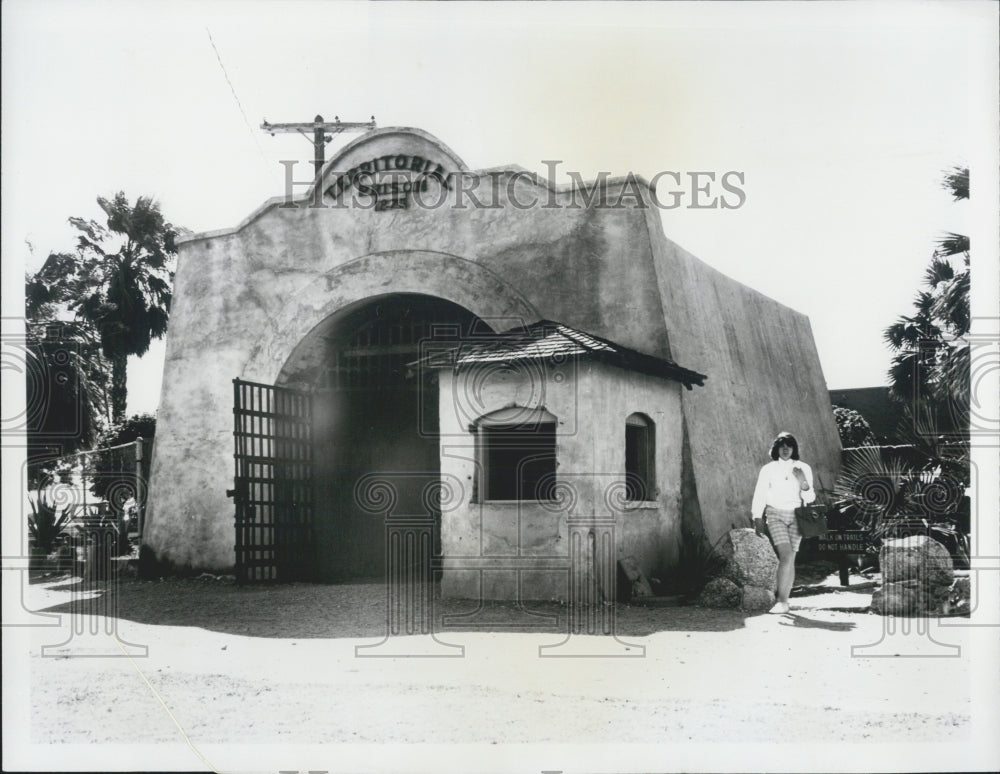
[(236, 96)]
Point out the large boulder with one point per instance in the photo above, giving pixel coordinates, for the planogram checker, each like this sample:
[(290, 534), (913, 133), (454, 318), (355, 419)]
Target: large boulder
[(749, 559), (916, 557), (917, 577), (720, 592)]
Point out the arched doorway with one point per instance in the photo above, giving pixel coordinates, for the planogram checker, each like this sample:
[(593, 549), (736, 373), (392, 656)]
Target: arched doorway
[(375, 415)]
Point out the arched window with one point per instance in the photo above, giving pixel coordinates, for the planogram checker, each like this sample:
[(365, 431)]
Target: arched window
[(640, 458), (517, 454)]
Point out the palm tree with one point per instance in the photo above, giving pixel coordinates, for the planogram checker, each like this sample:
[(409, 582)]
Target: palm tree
[(908, 337), (930, 370), (122, 282), (923, 480)]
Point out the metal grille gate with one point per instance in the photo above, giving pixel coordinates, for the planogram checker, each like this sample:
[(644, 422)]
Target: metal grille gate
[(382, 348), (272, 430)]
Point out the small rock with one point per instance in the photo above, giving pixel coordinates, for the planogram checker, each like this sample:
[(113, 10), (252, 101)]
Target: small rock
[(960, 597), (756, 599), (640, 586), (911, 598), (721, 593), (895, 599)]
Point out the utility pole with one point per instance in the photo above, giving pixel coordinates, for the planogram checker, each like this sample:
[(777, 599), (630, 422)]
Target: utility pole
[(319, 134)]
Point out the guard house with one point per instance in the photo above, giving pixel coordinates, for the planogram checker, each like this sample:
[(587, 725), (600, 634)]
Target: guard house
[(548, 426), (294, 427)]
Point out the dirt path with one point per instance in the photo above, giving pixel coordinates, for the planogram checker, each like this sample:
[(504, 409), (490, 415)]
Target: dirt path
[(674, 675)]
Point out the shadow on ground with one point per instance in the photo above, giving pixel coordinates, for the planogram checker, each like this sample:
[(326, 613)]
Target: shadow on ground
[(362, 609), (311, 610), (802, 622)]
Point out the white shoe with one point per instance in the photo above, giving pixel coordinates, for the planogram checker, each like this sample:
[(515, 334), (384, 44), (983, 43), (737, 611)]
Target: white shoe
[(779, 608)]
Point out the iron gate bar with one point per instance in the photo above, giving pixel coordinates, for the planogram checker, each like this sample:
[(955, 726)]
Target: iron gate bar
[(383, 345), (273, 492)]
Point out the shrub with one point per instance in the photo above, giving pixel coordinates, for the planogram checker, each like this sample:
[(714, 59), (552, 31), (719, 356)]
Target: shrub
[(44, 525)]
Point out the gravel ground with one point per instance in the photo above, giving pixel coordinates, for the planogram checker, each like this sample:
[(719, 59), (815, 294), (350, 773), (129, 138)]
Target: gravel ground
[(310, 610), (224, 667)]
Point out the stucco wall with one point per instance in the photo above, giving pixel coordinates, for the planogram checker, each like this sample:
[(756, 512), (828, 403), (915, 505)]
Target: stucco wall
[(764, 377), (245, 298), (492, 541)]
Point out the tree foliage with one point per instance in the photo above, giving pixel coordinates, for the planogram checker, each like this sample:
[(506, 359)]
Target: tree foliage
[(65, 395), (66, 376), (121, 282), (930, 367), (115, 465), (853, 428), (86, 311), (136, 426), (924, 479)]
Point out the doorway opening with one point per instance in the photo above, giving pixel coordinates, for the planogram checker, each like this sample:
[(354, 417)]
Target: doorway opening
[(375, 417)]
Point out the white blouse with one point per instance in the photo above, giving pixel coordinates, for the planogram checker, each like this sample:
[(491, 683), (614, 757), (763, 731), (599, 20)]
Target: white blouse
[(778, 487)]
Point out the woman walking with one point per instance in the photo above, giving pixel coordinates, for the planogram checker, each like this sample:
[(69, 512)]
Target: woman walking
[(783, 484)]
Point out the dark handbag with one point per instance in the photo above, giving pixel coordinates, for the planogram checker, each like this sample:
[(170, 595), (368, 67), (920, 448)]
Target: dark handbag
[(811, 519)]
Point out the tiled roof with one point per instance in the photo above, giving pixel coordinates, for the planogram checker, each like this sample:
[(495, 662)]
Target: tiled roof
[(548, 340)]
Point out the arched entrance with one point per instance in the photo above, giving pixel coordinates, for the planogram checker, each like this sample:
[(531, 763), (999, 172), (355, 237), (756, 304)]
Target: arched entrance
[(374, 414)]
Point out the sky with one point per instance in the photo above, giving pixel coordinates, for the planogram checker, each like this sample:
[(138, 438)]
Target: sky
[(841, 118)]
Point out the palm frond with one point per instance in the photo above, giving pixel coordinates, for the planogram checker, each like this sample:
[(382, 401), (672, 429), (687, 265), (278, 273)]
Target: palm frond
[(951, 305), (956, 180), (902, 377), (938, 271), (952, 244), (955, 371), (871, 482), (895, 334)]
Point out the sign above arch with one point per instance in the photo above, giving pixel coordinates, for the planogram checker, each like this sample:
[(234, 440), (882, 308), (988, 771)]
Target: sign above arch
[(385, 168)]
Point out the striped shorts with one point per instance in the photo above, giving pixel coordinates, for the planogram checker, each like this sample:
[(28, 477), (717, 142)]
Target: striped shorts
[(783, 527)]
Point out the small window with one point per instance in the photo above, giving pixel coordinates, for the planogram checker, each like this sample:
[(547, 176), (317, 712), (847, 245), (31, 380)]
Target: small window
[(640, 459), (517, 448)]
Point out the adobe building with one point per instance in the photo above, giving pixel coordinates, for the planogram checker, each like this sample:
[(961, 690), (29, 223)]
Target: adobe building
[(551, 436), (504, 359)]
